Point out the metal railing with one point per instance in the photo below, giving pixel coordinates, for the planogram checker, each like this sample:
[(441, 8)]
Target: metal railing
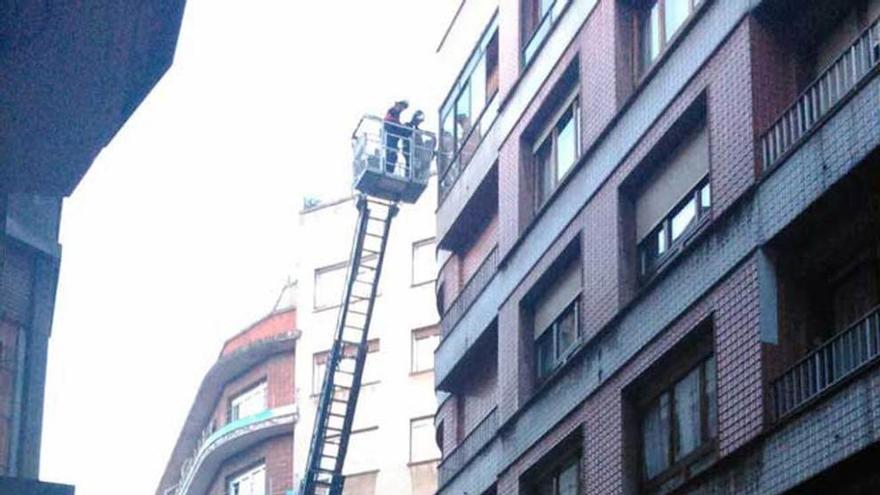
[(839, 358), (210, 438), (392, 149), (452, 162), (470, 446), (472, 289), (830, 89)]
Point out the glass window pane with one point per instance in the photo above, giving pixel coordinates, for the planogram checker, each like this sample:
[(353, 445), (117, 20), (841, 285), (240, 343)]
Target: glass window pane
[(682, 219), (687, 414), (676, 14), (706, 197), (463, 121), (250, 402), (544, 351), (661, 240), (424, 268), (371, 367), (655, 438), (567, 328), (478, 87), (423, 446), (318, 370), (568, 480), (329, 286), (711, 399), (566, 145), (423, 352), (650, 36)]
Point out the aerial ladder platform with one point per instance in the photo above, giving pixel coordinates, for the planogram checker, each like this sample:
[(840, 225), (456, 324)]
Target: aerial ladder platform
[(392, 164)]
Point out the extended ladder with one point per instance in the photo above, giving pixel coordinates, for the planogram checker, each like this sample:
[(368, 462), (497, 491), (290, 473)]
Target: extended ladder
[(345, 364)]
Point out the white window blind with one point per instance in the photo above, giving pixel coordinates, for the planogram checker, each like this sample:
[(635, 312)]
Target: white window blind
[(688, 165), (558, 296)]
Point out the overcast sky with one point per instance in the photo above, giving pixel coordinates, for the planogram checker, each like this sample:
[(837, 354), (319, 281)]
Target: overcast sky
[(183, 230)]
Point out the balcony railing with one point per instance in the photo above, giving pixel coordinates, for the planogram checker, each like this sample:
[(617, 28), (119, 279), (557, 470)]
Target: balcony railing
[(821, 97), (469, 294), (451, 163), (841, 357), (481, 435)]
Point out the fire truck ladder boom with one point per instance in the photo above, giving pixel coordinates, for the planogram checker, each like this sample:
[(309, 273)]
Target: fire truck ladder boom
[(345, 363)]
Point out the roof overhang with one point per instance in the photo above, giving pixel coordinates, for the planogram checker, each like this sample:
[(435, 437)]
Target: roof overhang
[(71, 74)]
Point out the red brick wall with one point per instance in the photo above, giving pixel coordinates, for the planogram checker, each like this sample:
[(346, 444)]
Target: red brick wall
[(277, 370), (276, 453), (270, 326), (733, 309)]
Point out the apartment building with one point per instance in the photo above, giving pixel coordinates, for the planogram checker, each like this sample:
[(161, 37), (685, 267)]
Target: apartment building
[(659, 243), (392, 447), (64, 93), (237, 438)]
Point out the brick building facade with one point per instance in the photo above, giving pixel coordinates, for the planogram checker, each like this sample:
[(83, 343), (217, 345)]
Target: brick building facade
[(660, 261), (238, 435)]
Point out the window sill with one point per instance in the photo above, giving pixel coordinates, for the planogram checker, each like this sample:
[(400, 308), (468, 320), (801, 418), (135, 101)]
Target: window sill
[(683, 471), (422, 283), (315, 395), (421, 372), (422, 463)]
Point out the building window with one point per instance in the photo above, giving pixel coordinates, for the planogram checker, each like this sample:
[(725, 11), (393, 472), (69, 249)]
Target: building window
[(251, 482), (330, 285), (422, 442), (249, 402), (679, 424), (424, 262), (371, 369), (469, 108), (424, 342), (658, 24), (563, 480), (556, 321), (538, 18), (361, 454), (557, 150), (675, 200)]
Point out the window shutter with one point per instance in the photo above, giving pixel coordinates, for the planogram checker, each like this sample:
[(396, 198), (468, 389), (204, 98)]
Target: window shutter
[(558, 296), (688, 166)]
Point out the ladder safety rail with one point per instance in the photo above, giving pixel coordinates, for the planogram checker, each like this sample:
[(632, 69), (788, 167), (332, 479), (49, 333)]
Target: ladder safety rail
[(345, 363)]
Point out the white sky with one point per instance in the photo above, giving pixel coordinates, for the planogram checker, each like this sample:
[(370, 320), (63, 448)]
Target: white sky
[(183, 231)]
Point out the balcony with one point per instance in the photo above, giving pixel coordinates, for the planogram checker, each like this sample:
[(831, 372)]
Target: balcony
[(472, 444), (451, 165), (198, 471), (842, 357), (822, 97), (470, 293)]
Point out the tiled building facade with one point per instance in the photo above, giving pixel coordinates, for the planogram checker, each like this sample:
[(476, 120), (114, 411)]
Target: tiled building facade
[(659, 236)]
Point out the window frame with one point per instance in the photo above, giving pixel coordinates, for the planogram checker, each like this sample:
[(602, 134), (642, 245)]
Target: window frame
[(683, 467), (548, 170), (552, 332), (261, 384), (647, 268), (554, 473), (430, 420), (343, 265), (423, 333), (642, 17), (449, 108), (529, 34), (417, 245), (318, 382), (248, 472)]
